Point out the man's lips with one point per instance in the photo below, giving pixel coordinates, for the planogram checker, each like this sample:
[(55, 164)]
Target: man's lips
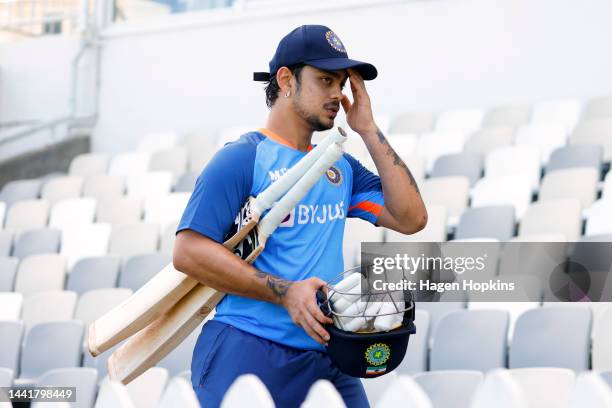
[(333, 110)]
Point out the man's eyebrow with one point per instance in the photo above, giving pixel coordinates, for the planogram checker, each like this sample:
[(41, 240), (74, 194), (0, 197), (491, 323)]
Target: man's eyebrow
[(337, 75)]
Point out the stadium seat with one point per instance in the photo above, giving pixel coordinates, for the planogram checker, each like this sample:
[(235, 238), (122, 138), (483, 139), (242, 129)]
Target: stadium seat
[(412, 122), (434, 231), (168, 236), (10, 305), (89, 164), (8, 271), (146, 390), (113, 394), (60, 188), (153, 184), (179, 359), (602, 341), (376, 387), (357, 231), (6, 379), (84, 379), (598, 219), (20, 190), (462, 164), (403, 144), (232, 133), (99, 272), (50, 345), (37, 241), (200, 150), (545, 137), (179, 393), (2, 213), (514, 161), (553, 217), (247, 390), (470, 340), (103, 186), (154, 142), (417, 166), (579, 183), (448, 192), (323, 394), (495, 222), (435, 144), (134, 239), (598, 108), (563, 111), (486, 140), (437, 310), (128, 163), (594, 132), (552, 337), (584, 155), (75, 248), (119, 210), (403, 392), (95, 303), (100, 362), (166, 209), (606, 191), (516, 193), (27, 214), (6, 243), (607, 377), (48, 306), (590, 391), (172, 159), (139, 269), (415, 359), (11, 336), (459, 120), (450, 388), (507, 116), (73, 212), (545, 386), (186, 182), (38, 273), (185, 374), (499, 389)]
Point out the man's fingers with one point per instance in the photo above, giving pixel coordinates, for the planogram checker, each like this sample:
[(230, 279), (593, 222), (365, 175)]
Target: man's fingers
[(346, 104), (318, 314), (316, 327)]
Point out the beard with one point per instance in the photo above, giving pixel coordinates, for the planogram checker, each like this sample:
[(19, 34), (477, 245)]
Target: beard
[(315, 123)]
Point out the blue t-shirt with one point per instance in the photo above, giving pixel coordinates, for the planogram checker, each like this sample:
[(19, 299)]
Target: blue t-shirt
[(307, 244)]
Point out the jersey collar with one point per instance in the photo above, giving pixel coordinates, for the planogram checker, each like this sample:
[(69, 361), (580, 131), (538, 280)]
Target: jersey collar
[(271, 135)]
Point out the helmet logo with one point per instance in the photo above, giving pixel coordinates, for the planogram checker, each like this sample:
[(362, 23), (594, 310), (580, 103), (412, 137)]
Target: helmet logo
[(377, 354), (335, 42)]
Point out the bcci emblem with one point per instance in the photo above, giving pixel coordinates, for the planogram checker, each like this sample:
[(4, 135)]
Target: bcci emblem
[(335, 42), (334, 176), (377, 354)]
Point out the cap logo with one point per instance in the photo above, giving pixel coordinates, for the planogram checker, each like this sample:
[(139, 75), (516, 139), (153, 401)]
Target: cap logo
[(334, 41)]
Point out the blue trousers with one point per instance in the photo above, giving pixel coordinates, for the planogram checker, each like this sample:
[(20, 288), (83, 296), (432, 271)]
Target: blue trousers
[(223, 353)]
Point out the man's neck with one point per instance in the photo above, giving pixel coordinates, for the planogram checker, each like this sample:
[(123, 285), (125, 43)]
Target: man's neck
[(291, 128)]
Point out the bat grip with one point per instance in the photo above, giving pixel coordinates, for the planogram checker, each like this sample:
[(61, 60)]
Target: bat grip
[(298, 191), (268, 197)]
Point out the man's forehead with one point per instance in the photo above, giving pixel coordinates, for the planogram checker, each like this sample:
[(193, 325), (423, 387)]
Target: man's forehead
[(342, 74)]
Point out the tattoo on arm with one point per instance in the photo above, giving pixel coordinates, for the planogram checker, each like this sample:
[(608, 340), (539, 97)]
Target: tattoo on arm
[(278, 286), (397, 161)]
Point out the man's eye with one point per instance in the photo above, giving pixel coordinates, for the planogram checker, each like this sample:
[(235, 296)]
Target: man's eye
[(327, 80)]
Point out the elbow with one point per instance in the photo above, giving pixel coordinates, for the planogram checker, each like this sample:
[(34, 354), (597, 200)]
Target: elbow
[(414, 223)]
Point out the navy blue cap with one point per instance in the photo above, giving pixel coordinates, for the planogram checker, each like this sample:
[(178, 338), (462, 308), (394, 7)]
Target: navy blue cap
[(317, 46)]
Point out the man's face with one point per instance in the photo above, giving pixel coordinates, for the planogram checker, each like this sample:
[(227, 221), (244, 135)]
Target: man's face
[(317, 97)]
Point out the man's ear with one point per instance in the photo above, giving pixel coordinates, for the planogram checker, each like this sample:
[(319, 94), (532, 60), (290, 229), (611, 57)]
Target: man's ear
[(283, 78)]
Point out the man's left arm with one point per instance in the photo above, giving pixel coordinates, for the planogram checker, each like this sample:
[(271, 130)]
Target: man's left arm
[(404, 210)]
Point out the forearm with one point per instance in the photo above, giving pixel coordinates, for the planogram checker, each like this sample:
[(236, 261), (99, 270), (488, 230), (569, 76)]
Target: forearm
[(402, 196), (211, 264)]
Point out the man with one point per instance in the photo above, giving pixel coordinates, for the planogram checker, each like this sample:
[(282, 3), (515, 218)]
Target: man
[(269, 323)]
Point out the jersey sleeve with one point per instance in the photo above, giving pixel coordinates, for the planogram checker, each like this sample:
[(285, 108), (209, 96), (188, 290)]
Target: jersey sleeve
[(220, 191), (367, 199)]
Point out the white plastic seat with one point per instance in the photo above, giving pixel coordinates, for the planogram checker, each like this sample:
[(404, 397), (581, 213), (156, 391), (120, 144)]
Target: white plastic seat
[(590, 391), (43, 272), (357, 231), (545, 137), (434, 231), (602, 341), (516, 192), (449, 388), (154, 142), (460, 120), (102, 186), (27, 214), (577, 182), (598, 108), (509, 115), (598, 217), (404, 392), (172, 159), (595, 131), (146, 390), (403, 144), (72, 212), (412, 122), (415, 359), (89, 164), (59, 188), (448, 192), (134, 239), (377, 386), (514, 161), (126, 164), (168, 235), (95, 303), (563, 111), (247, 390), (553, 217), (164, 210), (488, 139), (499, 389), (10, 305), (74, 247), (48, 306), (119, 210), (179, 393), (439, 143), (544, 387), (2, 213), (323, 394), (200, 149), (231, 133), (148, 185), (113, 394)]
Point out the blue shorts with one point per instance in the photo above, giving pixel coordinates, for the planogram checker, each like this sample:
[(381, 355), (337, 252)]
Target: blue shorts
[(223, 353)]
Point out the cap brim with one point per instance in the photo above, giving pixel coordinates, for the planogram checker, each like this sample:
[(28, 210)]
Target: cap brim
[(367, 71)]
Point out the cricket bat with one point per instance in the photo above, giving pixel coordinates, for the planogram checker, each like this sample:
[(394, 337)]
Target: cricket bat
[(166, 288), (154, 342)]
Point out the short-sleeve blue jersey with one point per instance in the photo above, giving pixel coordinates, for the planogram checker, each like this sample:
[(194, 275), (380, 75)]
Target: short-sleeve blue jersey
[(307, 244)]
